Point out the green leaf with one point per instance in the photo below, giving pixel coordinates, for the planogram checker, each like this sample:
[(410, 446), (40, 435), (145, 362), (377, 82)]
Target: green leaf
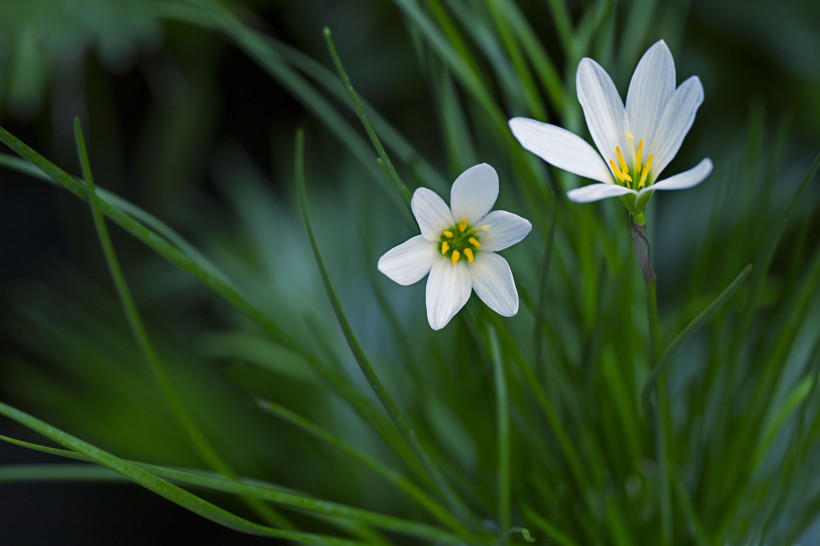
[(162, 487), (373, 380)]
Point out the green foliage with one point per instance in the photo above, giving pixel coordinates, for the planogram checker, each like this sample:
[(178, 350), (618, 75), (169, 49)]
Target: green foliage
[(265, 363)]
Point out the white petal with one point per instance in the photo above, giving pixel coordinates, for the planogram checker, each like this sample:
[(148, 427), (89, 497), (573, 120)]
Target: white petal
[(596, 192), (504, 230), (652, 85), (431, 212), (410, 261), (603, 107), (560, 148), (675, 122), (494, 284), (474, 193), (448, 289), (684, 180)]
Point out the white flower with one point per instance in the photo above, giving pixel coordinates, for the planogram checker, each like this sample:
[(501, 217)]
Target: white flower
[(636, 142), (458, 246)]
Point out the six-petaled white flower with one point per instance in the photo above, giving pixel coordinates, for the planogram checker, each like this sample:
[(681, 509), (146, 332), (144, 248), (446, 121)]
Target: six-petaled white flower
[(458, 246), (636, 141)]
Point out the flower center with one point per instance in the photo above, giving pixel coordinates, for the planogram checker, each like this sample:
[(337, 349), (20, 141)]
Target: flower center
[(635, 177), (461, 240)]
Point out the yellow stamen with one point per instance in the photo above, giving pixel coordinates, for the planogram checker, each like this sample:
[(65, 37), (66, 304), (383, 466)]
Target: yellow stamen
[(646, 170), (485, 227), (448, 233), (473, 241), (638, 155), (469, 253), (462, 225), (444, 247), (630, 139), (616, 170), (624, 166), (454, 258)]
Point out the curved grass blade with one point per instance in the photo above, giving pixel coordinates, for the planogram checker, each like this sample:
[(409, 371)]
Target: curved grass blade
[(548, 528), (373, 380), (226, 290), (457, 64), (525, 534), (430, 504), (508, 37), (544, 67), (157, 243), (390, 170), (330, 82), (219, 18), (200, 442), (682, 337), (164, 488), (151, 221), (767, 252), (239, 486)]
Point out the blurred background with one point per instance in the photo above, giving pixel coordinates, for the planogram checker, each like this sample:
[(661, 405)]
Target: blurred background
[(183, 123)]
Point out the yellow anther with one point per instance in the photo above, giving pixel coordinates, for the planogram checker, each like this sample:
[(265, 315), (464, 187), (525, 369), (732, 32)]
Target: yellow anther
[(485, 227), (473, 241), (629, 136), (469, 253), (454, 258), (646, 170), (616, 170), (622, 161), (448, 233), (638, 155), (444, 247), (462, 225)]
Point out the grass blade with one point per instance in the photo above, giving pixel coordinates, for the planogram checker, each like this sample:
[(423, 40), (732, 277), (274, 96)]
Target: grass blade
[(401, 187), (433, 507), (255, 489), (682, 337), (163, 487), (200, 442), (373, 380), (503, 428)]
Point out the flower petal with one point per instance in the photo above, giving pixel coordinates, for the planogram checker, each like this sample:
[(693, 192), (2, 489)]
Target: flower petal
[(675, 122), (596, 192), (494, 284), (410, 261), (504, 230), (560, 148), (603, 107), (474, 193), (684, 180), (431, 212), (652, 85), (448, 289)]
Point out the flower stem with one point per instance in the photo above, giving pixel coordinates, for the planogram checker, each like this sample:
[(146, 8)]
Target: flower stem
[(661, 416), (503, 427), (652, 318)]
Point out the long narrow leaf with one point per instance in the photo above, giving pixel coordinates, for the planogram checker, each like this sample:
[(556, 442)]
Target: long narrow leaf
[(162, 487)]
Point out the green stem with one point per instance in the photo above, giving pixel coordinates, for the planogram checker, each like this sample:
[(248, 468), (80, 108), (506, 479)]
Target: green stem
[(652, 318), (662, 415), (503, 424)]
